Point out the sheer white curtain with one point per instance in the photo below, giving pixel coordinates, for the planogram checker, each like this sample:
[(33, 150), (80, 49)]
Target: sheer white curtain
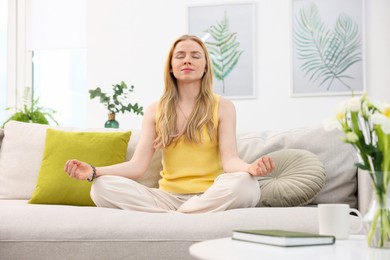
[(56, 41), (3, 59)]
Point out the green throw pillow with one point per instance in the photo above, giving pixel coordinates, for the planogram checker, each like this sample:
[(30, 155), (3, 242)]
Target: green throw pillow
[(298, 178), (54, 186)]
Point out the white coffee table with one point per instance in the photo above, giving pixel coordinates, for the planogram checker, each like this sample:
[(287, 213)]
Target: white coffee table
[(354, 248)]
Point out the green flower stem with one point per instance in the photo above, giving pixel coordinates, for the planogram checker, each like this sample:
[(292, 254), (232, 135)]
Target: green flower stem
[(382, 217), (355, 124), (386, 159), (386, 224), (371, 232)]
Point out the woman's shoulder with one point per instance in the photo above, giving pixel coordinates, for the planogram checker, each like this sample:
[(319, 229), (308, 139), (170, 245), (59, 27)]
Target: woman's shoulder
[(226, 109), (225, 103), (151, 110), (152, 107)]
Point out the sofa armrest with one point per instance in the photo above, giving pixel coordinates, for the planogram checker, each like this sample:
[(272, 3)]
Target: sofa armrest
[(364, 191)]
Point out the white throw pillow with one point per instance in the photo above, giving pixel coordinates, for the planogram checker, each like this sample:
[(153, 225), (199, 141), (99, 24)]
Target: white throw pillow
[(152, 174), (20, 159)]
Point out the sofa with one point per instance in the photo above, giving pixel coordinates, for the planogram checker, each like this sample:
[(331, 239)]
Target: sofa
[(66, 231)]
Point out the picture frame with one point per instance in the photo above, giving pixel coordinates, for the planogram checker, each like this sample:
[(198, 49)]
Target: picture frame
[(328, 47), (234, 70)]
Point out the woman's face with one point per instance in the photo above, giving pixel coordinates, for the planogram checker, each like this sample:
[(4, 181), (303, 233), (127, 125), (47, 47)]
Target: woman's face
[(188, 62)]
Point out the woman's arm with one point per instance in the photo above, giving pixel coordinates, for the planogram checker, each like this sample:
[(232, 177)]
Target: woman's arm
[(228, 144), (132, 169)]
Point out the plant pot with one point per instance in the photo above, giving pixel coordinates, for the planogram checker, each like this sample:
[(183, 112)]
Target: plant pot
[(377, 218), (111, 122)]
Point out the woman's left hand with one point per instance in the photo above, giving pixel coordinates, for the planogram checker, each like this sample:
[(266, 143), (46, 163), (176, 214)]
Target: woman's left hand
[(262, 167)]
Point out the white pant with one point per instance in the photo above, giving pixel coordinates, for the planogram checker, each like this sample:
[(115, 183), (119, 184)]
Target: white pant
[(229, 191)]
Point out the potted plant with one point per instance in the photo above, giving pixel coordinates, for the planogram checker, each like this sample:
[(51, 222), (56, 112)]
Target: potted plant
[(117, 102), (31, 111)]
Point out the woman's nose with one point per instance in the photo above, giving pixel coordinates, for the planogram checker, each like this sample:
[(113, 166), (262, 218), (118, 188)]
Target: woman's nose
[(187, 60)]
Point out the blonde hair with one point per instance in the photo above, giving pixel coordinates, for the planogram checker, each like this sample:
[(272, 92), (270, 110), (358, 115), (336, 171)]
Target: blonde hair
[(202, 114)]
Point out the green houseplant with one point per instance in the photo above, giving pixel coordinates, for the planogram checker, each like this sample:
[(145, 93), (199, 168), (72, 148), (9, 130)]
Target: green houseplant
[(31, 111), (117, 102)]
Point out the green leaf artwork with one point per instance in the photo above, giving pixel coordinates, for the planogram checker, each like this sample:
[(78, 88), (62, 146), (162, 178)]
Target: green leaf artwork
[(327, 54), (223, 49)]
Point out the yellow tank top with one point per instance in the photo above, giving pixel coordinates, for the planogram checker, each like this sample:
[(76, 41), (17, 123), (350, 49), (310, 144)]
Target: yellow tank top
[(191, 168)]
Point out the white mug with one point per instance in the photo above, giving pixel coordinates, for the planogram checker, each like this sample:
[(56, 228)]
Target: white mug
[(333, 219)]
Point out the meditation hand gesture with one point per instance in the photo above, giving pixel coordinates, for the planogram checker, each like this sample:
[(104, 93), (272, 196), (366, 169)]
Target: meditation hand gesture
[(262, 167), (78, 170)]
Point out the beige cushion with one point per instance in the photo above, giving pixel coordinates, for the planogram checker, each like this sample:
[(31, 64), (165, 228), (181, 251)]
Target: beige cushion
[(296, 180), (152, 174), (20, 159), (338, 157)]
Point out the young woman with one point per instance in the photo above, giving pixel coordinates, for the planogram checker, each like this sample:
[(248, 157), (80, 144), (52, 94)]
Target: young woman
[(196, 131)]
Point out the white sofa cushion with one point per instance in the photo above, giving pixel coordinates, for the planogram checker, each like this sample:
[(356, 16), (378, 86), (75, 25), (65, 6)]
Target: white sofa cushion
[(152, 174), (69, 232), (20, 159), (140, 226)]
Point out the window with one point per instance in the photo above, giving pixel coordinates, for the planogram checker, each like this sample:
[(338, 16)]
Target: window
[(59, 80), (43, 46), (56, 32), (3, 59)]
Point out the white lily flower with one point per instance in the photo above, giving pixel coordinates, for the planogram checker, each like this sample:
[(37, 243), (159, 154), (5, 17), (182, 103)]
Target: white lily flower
[(365, 111), (333, 123), (354, 104), (341, 111), (352, 137), (383, 121), (342, 108), (386, 126), (386, 110)]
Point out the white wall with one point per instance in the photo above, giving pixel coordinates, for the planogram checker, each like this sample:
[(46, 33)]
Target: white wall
[(129, 41)]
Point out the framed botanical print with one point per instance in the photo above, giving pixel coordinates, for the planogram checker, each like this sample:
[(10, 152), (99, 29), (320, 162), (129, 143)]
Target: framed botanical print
[(328, 47), (228, 32)]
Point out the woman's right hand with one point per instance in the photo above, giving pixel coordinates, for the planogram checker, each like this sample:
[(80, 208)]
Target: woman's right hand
[(78, 169)]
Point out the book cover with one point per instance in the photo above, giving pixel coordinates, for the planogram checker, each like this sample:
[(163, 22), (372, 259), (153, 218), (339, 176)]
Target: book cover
[(282, 237)]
